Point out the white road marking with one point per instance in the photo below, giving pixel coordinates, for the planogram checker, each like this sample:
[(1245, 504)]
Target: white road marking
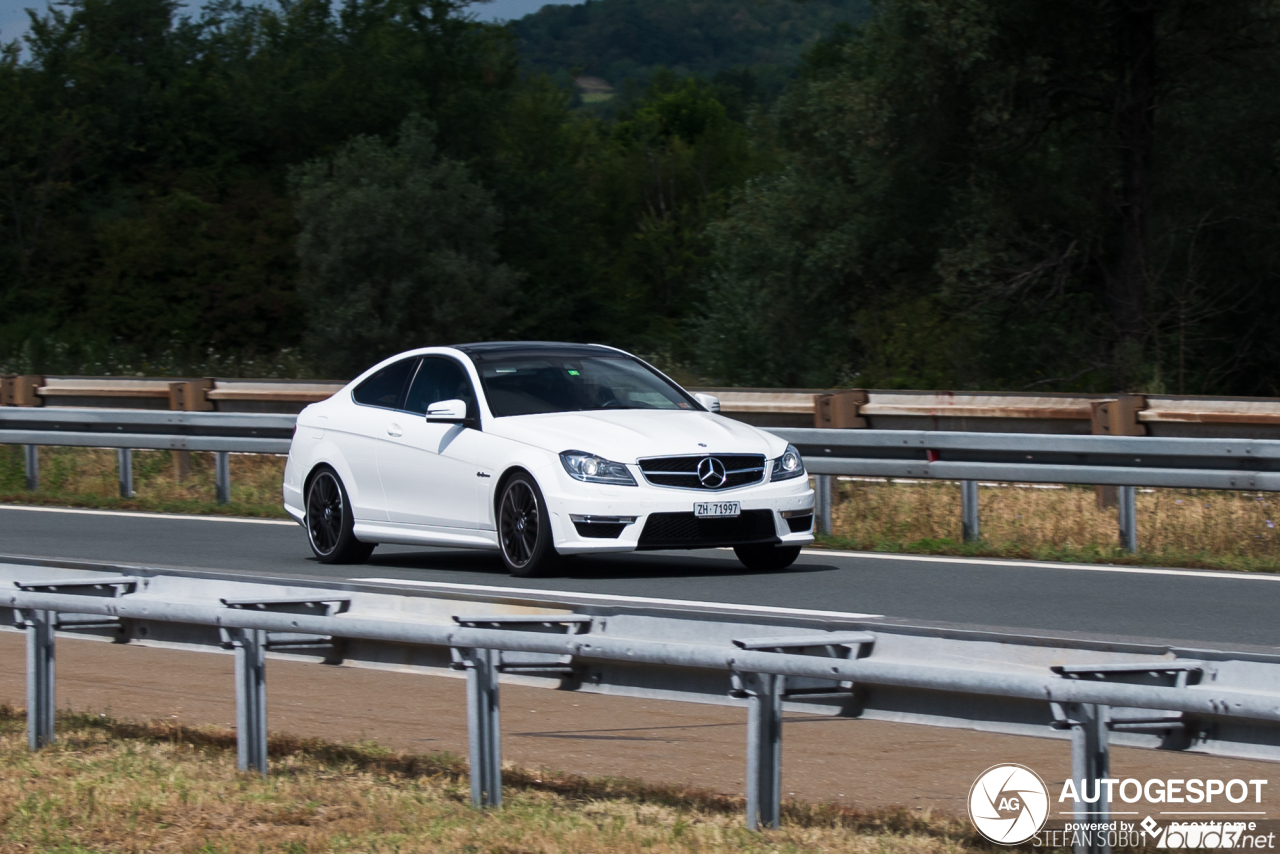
[(626, 600), (1026, 564), (182, 517), (1079, 567)]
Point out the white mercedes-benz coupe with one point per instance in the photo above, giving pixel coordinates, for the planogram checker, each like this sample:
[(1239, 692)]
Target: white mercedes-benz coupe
[(538, 450)]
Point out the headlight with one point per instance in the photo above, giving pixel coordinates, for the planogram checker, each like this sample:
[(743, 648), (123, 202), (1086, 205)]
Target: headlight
[(788, 465), (589, 468)]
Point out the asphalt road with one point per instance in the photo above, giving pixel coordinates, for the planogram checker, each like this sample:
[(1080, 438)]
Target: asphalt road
[(1186, 606)]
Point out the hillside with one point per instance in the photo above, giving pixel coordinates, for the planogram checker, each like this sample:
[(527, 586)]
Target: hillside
[(617, 40)]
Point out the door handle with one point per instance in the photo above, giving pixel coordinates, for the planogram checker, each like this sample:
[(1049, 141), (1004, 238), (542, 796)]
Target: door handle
[(394, 430)]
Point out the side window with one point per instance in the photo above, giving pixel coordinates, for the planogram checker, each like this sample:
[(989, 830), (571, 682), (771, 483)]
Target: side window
[(385, 387), (439, 379)]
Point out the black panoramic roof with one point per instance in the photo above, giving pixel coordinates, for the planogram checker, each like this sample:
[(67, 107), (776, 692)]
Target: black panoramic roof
[(479, 352)]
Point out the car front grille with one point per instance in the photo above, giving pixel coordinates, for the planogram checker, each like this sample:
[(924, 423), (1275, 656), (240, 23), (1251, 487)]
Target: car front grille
[(682, 472), (687, 531)]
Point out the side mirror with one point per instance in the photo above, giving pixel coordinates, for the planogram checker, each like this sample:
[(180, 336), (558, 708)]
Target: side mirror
[(448, 411), (710, 401)]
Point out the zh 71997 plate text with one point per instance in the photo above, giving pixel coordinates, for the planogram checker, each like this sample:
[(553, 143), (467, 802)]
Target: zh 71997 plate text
[(714, 509)]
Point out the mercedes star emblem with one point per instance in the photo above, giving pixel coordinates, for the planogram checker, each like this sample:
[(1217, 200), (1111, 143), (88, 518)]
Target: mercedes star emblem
[(711, 473)]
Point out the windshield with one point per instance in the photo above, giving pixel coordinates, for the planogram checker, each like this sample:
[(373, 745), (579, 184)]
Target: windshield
[(527, 385)]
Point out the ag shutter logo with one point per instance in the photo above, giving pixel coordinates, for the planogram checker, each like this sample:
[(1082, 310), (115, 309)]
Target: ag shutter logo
[(1008, 804)]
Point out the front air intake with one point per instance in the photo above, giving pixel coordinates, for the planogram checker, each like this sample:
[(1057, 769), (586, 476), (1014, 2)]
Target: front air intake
[(687, 531)]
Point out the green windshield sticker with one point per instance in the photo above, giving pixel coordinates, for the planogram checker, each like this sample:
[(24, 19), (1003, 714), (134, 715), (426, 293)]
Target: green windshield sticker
[(572, 372)]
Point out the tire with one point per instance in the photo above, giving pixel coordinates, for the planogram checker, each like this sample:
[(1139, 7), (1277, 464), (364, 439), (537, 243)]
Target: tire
[(766, 558), (329, 521), (524, 528)]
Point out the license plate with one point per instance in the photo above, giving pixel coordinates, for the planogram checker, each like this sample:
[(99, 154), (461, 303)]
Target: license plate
[(716, 509)]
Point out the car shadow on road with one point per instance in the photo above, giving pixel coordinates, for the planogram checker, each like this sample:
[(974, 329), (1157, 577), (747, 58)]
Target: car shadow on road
[(671, 566), (658, 565)]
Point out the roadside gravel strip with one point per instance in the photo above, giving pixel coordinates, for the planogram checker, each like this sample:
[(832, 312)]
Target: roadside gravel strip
[(1188, 606), (856, 762)]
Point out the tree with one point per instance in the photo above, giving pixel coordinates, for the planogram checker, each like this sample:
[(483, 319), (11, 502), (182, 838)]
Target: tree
[(144, 158), (998, 192), (633, 39), (658, 176), (397, 251)]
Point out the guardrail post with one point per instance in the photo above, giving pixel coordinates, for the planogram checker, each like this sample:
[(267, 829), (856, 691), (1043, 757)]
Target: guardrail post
[(191, 395), (1090, 764), (188, 396), (822, 502), (40, 682), (764, 748), (969, 510), (222, 475), (1116, 417), (31, 457), (124, 462), (839, 410), (1128, 515), (484, 731), (251, 699), (23, 391)]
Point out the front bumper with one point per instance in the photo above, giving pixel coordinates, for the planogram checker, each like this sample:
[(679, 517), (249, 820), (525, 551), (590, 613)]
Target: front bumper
[(619, 516)]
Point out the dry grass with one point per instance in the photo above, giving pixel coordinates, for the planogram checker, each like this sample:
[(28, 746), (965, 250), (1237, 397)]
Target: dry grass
[(87, 477), (122, 787), (1178, 527)]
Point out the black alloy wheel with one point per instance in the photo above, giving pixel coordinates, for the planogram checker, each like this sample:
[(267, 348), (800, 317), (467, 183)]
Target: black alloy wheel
[(766, 557), (330, 523), (524, 530)]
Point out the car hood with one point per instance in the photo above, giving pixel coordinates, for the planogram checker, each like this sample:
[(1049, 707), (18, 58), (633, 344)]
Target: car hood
[(628, 435)]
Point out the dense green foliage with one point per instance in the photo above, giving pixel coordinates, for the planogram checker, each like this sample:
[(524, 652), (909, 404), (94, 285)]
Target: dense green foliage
[(628, 40), (953, 193), (145, 158), (397, 244), (150, 222), (1007, 193)]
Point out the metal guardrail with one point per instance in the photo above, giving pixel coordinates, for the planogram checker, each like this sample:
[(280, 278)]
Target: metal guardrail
[(1031, 458), (140, 429), (1123, 461), (1093, 692), (1005, 412), (199, 395), (881, 409), (249, 433)]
